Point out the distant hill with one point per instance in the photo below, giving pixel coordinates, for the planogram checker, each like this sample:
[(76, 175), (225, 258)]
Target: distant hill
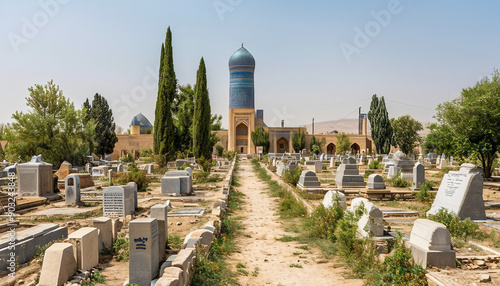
[(348, 126)]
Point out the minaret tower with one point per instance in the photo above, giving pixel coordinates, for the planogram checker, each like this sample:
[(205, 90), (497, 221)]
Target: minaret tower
[(241, 101)]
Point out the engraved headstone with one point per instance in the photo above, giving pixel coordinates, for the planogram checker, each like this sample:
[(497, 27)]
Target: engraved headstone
[(461, 192), (117, 201), (143, 251)]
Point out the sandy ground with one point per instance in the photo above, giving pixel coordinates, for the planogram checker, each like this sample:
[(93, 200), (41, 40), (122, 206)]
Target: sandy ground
[(273, 258)]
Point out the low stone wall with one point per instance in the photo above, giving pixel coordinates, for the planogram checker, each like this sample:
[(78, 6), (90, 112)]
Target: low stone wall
[(179, 269)]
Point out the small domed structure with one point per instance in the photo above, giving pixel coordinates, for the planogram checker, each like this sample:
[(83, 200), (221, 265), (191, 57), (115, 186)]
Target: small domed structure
[(242, 57), (140, 125)]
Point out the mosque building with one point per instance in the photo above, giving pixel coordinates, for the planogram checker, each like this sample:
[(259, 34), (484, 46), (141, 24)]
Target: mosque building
[(243, 120)]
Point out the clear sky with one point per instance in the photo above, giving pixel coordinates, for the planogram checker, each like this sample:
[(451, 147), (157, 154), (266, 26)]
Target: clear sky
[(320, 59)]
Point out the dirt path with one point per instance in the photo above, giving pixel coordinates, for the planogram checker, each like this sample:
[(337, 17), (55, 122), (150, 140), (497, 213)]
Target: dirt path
[(273, 258)]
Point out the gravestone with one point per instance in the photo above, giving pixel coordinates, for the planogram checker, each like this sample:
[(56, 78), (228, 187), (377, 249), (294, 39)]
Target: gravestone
[(178, 182), (371, 223), (131, 187), (100, 171), (348, 174), (332, 197), (88, 167), (430, 244), (315, 166), (28, 241), (159, 212), (110, 177), (307, 180), (59, 265), (418, 176), (72, 189), (35, 178), (143, 251), (451, 160), (461, 192), (407, 176), (332, 162), (190, 171), (117, 201), (402, 162), (393, 171), (375, 182), (86, 247), (443, 163), (420, 158), (104, 225)]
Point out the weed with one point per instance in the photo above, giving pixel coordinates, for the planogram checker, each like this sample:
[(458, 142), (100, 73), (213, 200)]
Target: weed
[(204, 177), (424, 195), (375, 164), (304, 247), (297, 253), (242, 271), (240, 265), (397, 182), (323, 222), (463, 229), (292, 177), (367, 174), (295, 265), (286, 238), (174, 241), (40, 253), (255, 272), (120, 250)]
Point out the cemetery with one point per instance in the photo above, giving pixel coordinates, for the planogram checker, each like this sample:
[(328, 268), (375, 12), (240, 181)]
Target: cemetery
[(192, 198)]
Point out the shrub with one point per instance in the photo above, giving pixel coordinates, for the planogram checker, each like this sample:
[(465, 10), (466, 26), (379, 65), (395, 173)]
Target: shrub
[(292, 177), (146, 152), (203, 177), (265, 159), (219, 150), (119, 249), (375, 164), (463, 229), (367, 174), (229, 154), (424, 195), (184, 166), (128, 159), (134, 175), (397, 182), (323, 222), (399, 268), (255, 160), (205, 164)]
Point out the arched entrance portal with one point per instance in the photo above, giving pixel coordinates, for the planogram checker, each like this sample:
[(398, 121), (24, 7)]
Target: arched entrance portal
[(282, 145), (331, 149), (355, 148), (242, 138)]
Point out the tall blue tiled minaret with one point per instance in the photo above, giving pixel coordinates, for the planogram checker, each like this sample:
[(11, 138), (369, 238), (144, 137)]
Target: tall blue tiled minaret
[(241, 88)]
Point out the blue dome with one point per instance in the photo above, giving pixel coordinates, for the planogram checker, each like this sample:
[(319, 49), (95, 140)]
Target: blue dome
[(242, 57), (143, 122)]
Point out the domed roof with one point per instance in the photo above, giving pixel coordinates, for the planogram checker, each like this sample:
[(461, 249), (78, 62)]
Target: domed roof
[(242, 57), (141, 120)]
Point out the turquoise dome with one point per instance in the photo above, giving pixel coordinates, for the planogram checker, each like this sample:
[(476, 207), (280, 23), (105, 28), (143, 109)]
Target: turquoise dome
[(143, 122), (242, 57)]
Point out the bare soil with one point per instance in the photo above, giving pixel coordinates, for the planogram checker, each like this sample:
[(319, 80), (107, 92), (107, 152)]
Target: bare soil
[(275, 260)]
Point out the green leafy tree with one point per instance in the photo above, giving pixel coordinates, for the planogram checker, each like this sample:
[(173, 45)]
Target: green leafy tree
[(439, 140), (164, 131), (183, 118), (298, 141), (202, 145), (2, 153), (405, 133), (260, 137), (473, 121), (343, 143), (316, 145), (52, 127), (381, 128), (104, 132)]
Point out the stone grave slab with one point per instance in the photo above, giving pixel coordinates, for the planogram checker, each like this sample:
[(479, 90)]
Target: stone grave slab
[(59, 265), (118, 201), (331, 198), (376, 182), (64, 211), (187, 212), (461, 192), (86, 247)]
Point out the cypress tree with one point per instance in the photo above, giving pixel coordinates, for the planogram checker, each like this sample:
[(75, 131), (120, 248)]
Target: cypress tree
[(104, 132), (88, 117), (381, 129), (202, 115), (164, 133)]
